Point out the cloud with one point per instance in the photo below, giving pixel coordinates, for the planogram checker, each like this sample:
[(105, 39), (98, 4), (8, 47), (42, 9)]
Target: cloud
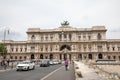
[(12, 35), (19, 15)]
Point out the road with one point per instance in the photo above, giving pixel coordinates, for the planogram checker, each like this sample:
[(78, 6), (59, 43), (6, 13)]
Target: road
[(62, 74), (36, 74)]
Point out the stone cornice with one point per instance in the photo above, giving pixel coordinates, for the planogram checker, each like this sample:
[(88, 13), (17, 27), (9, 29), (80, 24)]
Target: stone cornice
[(66, 28)]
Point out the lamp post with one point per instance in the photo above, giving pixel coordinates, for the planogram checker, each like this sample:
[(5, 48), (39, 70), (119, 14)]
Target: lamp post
[(6, 31), (4, 50)]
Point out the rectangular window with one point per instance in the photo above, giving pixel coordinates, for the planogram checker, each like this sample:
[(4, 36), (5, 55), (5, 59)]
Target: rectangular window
[(51, 49), (89, 48), (107, 48), (46, 38), (113, 48), (70, 37), (60, 37), (16, 49), (32, 49), (99, 48), (84, 37), (41, 49), (65, 36), (46, 49), (20, 49), (51, 38), (79, 38), (118, 48), (79, 48), (89, 37), (84, 48), (12, 49), (41, 38), (25, 49)]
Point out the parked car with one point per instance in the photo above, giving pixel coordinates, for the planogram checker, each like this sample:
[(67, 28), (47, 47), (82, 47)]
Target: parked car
[(51, 62), (59, 61), (25, 65), (55, 62), (44, 63)]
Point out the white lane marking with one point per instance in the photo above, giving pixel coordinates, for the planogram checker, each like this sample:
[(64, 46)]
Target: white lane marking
[(51, 73)]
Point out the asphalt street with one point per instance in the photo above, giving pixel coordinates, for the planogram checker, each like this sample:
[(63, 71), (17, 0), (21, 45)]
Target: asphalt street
[(62, 74), (36, 74)]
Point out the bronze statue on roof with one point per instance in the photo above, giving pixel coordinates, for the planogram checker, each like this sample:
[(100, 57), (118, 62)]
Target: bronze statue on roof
[(65, 23)]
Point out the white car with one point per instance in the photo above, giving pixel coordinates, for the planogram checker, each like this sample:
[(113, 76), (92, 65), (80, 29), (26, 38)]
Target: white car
[(25, 65), (55, 62)]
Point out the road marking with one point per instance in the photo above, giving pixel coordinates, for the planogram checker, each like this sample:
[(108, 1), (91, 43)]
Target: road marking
[(51, 73)]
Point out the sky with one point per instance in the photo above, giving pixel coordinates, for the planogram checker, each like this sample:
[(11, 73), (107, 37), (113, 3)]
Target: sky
[(19, 15)]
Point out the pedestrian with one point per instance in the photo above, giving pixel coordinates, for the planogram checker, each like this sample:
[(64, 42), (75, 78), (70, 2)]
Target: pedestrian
[(8, 62), (5, 64), (66, 64)]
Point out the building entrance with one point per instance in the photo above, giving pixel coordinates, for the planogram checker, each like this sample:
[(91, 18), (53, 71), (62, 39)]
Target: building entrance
[(65, 52)]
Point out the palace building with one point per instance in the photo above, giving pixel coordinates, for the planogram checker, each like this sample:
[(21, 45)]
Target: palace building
[(65, 42)]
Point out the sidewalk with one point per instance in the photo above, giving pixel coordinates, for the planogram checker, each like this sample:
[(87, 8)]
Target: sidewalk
[(62, 74), (11, 66), (87, 73)]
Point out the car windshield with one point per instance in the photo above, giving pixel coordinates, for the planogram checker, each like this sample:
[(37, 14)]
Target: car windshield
[(24, 62)]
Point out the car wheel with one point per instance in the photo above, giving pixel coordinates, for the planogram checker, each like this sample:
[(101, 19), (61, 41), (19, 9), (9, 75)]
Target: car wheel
[(27, 68), (33, 67)]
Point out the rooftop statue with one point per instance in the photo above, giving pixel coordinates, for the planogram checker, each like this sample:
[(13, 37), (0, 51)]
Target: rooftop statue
[(65, 23)]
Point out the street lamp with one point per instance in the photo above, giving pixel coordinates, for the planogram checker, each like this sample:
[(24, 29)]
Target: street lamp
[(6, 31)]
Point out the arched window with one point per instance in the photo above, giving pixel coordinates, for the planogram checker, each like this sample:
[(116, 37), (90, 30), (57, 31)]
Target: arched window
[(90, 56), (33, 38), (41, 56), (32, 56), (100, 56), (99, 36)]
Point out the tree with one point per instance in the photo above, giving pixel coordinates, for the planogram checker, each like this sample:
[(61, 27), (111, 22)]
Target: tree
[(3, 50)]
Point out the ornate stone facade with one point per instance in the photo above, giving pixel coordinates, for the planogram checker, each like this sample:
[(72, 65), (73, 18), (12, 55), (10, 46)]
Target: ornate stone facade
[(65, 42)]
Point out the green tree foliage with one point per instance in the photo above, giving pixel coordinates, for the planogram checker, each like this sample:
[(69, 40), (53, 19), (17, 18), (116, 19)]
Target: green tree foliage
[(3, 50)]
